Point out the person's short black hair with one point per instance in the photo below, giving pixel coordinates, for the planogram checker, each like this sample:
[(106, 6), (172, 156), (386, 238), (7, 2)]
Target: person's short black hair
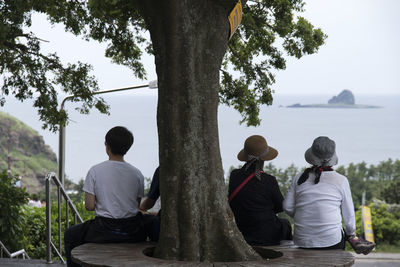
[(119, 139)]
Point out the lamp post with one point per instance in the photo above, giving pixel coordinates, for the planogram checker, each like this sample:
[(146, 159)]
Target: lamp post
[(61, 140)]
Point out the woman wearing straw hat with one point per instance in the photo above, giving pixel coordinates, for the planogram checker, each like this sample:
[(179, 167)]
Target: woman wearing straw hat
[(317, 199), (255, 198)]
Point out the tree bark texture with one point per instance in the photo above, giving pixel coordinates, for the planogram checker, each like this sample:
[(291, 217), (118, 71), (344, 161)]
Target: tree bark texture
[(190, 39)]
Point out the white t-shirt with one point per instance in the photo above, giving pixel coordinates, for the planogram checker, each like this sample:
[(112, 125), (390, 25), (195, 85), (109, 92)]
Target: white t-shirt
[(317, 208), (117, 186)]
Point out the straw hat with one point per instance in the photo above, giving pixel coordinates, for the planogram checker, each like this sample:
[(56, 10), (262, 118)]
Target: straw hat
[(257, 146), (322, 152)]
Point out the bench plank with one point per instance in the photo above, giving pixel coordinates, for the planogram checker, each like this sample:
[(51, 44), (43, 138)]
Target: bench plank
[(131, 254)]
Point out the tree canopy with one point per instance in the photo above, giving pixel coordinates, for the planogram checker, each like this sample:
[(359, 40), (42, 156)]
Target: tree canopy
[(269, 29)]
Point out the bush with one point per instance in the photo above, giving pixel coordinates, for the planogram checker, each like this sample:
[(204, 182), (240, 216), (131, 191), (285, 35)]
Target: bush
[(283, 176), (391, 192), (35, 231), (385, 223), (11, 217), (35, 227)]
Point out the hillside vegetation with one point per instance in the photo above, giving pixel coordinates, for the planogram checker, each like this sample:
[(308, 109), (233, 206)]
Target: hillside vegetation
[(24, 153)]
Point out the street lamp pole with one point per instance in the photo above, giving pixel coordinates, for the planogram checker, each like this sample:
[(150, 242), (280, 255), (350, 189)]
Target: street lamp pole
[(61, 139)]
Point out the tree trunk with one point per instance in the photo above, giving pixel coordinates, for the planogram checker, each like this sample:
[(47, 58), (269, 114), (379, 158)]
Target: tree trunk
[(190, 39)]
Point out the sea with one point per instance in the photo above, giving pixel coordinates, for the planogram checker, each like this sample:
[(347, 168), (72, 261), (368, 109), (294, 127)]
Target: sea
[(361, 135)]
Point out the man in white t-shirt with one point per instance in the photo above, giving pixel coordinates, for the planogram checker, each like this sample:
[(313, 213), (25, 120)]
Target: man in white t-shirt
[(113, 189)]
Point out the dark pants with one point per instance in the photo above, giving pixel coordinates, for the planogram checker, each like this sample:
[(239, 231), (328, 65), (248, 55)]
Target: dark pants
[(104, 230), (152, 226), (267, 233), (286, 229)]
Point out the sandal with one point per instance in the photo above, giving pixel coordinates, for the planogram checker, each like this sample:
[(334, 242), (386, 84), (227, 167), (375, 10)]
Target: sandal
[(360, 245)]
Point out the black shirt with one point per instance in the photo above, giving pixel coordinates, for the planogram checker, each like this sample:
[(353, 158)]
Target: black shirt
[(255, 206), (154, 192)]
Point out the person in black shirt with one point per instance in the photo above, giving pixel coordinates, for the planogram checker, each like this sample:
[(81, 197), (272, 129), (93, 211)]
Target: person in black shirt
[(255, 198), (151, 221), (154, 192)]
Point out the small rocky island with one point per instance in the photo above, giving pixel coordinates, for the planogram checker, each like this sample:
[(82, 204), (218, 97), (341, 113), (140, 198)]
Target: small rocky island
[(345, 99)]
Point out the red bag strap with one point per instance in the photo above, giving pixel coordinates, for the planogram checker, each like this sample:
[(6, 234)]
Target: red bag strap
[(234, 193)]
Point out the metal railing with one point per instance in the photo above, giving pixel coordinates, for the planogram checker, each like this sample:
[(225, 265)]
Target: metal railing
[(14, 254), (68, 205)]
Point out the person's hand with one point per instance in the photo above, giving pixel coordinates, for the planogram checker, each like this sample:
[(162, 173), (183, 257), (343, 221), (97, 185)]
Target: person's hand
[(143, 211)]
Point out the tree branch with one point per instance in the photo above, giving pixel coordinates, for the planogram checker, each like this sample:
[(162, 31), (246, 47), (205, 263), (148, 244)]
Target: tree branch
[(24, 49), (258, 2), (237, 56)]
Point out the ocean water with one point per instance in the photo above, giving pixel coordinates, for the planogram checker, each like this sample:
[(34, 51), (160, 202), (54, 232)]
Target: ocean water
[(369, 135)]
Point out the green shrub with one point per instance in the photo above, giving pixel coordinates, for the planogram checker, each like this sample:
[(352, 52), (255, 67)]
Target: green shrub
[(35, 227), (35, 231), (391, 192), (385, 223), (11, 217)]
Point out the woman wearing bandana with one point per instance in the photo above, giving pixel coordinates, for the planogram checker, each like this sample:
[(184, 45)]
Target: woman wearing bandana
[(317, 199), (255, 198)]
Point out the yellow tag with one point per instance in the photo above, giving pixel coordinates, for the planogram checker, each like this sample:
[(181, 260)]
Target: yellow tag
[(235, 17), (366, 215)]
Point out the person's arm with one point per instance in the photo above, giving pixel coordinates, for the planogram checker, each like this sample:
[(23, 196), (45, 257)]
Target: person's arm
[(147, 204), (276, 196), (90, 201), (231, 185), (154, 192), (289, 203), (348, 210), (140, 193), (89, 189)]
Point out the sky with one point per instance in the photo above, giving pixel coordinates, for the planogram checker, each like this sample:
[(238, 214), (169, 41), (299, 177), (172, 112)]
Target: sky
[(361, 52)]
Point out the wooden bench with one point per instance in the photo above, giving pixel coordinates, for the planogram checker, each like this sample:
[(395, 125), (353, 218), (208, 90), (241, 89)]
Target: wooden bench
[(128, 254)]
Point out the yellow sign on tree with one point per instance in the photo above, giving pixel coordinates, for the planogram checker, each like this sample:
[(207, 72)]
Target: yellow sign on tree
[(367, 219), (235, 17)]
